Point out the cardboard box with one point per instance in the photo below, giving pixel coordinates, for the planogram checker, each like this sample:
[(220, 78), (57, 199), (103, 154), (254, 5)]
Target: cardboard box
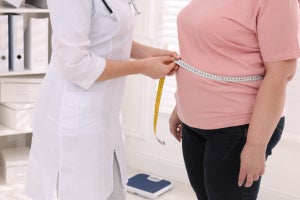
[(16, 115), (14, 162)]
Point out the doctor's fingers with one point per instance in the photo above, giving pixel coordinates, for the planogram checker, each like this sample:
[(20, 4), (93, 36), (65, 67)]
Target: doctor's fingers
[(166, 64), (166, 59), (169, 53), (173, 68)]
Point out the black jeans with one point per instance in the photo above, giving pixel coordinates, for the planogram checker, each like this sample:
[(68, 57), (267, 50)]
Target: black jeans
[(212, 160)]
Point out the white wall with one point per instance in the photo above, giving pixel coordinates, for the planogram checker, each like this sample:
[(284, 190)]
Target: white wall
[(282, 178), (283, 171)]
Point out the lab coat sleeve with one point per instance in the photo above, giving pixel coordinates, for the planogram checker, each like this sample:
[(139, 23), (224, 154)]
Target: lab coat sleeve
[(71, 23)]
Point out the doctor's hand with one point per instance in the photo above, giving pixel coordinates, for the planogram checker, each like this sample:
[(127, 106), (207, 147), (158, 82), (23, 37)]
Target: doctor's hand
[(175, 125), (140, 51), (157, 67), (164, 52)]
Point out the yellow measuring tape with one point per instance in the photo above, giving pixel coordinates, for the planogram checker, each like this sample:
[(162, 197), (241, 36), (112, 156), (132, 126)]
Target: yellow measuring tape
[(201, 74), (157, 103)]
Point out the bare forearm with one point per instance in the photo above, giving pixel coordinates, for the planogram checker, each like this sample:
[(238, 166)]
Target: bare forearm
[(140, 51), (154, 67), (268, 109), (270, 101), (115, 69), (152, 62)]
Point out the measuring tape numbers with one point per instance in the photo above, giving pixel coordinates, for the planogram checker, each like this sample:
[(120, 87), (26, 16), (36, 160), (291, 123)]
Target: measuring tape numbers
[(156, 109)]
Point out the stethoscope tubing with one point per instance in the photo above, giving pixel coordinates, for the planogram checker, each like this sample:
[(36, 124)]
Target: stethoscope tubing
[(112, 12), (107, 7)]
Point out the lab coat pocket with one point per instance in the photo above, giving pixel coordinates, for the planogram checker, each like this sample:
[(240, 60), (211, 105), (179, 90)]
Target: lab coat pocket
[(80, 114)]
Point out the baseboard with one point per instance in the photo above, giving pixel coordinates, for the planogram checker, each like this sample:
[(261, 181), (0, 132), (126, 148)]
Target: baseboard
[(156, 166)]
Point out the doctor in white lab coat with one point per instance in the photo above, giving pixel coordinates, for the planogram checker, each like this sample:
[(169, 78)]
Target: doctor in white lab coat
[(77, 133)]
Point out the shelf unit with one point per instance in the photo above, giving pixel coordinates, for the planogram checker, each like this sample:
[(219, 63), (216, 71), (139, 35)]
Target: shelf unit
[(28, 11), (24, 9), (26, 72), (5, 131)]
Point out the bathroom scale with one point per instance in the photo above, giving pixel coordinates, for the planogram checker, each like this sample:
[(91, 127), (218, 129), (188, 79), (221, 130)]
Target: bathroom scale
[(148, 186)]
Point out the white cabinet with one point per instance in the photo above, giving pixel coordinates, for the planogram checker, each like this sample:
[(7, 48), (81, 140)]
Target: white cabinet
[(16, 86), (28, 12)]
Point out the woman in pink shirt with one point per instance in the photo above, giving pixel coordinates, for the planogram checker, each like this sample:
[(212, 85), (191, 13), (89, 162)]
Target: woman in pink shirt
[(228, 127)]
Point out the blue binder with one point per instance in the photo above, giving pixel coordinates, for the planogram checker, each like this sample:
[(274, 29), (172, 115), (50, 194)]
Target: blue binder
[(148, 186)]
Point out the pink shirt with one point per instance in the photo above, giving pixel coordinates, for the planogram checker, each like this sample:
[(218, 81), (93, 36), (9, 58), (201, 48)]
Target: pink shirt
[(230, 38)]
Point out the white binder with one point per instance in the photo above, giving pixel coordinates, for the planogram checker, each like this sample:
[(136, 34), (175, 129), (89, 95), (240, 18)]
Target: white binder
[(4, 44), (36, 44), (15, 3), (16, 42)]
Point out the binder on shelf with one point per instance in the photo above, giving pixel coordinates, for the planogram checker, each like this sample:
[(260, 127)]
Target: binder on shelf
[(38, 3), (16, 42), (148, 186), (36, 44), (4, 44), (15, 3)]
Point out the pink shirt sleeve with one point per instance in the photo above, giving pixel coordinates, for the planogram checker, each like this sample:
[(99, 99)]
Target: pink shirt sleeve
[(278, 30)]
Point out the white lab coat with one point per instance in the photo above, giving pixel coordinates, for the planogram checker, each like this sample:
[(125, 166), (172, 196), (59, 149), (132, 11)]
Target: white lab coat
[(77, 127)]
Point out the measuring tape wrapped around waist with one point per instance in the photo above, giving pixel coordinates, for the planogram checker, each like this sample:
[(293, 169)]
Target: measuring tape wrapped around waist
[(202, 74)]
